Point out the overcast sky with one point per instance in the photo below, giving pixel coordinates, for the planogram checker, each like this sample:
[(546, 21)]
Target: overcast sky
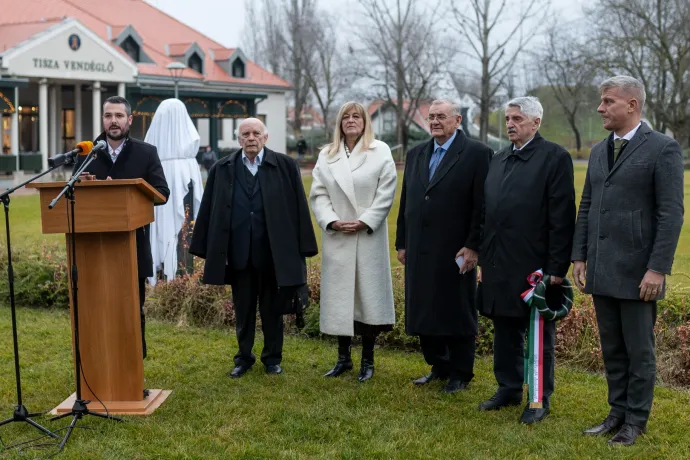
[(223, 20)]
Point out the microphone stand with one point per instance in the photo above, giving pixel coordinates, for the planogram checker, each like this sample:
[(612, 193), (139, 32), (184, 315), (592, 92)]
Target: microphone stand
[(79, 409), (21, 413)]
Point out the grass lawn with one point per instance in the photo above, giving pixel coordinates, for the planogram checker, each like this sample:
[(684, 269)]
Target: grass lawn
[(303, 415)]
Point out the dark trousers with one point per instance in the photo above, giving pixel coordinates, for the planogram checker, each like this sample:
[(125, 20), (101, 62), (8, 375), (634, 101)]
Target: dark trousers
[(142, 299), (626, 331), (249, 286), (368, 342), (448, 356), (509, 356)]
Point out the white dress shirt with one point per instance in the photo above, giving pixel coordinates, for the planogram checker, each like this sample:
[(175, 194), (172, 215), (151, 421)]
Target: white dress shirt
[(115, 153), (253, 167), (630, 134)]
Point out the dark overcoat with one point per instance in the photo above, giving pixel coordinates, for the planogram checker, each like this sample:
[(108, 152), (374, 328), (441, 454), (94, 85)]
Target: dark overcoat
[(529, 221), (137, 160), (435, 221), (631, 215), (290, 232)]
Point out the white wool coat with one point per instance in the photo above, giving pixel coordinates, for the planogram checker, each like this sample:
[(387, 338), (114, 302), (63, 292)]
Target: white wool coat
[(355, 268)]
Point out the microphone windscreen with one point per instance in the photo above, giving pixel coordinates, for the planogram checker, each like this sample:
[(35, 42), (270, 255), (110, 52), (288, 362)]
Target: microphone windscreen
[(85, 146)]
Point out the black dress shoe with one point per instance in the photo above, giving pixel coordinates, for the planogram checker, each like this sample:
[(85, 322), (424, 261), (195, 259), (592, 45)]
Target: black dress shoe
[(533, 415), (366, 370), (453, 386), (627, 435), (499, 401), (609, 425), (239, 371), (274, 369), (429, 378), (343, 365)]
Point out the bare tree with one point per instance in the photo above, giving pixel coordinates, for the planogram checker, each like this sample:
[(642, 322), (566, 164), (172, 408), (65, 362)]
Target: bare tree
[(402, 54), (278, 32), (325, 70), (477, 21), (566, 66), (650, 40)]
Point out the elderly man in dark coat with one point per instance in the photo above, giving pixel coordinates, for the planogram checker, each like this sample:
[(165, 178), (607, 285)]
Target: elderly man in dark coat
[(439, 222), (255, 231), (529, 198), (628, 224)]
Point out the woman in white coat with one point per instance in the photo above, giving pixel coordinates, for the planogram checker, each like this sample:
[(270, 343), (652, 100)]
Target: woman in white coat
[(352, 193)]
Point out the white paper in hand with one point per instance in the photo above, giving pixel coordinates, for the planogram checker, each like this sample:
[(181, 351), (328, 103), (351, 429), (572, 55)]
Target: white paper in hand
[(460, 260)]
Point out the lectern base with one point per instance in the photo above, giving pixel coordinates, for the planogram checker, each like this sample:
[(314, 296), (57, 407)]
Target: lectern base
[(143, 407)]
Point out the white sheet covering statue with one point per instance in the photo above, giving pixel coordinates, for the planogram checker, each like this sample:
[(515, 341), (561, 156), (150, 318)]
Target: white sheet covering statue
[(177, 140)]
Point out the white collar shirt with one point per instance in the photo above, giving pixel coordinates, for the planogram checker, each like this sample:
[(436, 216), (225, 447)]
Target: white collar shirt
[(253, 167)]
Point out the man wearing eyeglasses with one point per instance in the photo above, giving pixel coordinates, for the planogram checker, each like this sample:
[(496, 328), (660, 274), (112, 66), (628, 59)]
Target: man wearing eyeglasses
[(437, 241)]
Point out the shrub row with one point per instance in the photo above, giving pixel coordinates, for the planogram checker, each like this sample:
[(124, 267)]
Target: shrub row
[(41, 281)]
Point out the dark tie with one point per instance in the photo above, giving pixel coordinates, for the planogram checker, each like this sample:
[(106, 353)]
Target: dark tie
[(618, 146), (435, 160)]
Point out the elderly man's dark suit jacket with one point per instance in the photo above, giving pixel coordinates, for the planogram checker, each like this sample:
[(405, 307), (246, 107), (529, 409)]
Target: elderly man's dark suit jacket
[(288, 222), (529, 220), (630, 217)]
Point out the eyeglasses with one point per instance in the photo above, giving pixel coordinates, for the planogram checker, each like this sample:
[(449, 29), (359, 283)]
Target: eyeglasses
[(433, 117)]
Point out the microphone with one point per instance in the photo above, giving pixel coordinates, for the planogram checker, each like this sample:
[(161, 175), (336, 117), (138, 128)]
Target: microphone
[(100, 145), (82, 148)]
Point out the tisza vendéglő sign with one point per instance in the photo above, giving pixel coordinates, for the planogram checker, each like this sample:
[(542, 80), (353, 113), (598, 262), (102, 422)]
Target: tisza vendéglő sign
[(84, 66)]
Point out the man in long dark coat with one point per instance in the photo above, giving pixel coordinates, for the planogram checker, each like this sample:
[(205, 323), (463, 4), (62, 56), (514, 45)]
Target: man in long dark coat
[(529, 200), (255, 231), (439, 220)]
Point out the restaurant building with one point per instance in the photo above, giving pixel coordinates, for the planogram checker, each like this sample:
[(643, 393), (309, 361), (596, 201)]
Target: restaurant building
[(59, 59)]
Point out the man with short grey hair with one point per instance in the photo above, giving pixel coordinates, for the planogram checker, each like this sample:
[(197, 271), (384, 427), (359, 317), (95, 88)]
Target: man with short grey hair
[(529, 201), (628, 225)]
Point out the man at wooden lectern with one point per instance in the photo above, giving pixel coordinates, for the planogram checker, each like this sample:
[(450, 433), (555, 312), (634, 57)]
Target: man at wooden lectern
[(254, 230), (128, 158)]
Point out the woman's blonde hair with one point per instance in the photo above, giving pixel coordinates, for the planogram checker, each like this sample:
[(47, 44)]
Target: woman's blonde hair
[(367, 137)]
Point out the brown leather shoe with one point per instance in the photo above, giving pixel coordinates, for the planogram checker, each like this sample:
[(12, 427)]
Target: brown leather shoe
[(627, 435), (609, 425)]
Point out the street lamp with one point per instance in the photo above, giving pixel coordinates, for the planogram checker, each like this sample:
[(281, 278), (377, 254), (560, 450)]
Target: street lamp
[(176, 69)]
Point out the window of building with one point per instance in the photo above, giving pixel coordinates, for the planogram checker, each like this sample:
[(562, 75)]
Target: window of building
[(131, 48), (238, 68), (195, 63), (68, 139)]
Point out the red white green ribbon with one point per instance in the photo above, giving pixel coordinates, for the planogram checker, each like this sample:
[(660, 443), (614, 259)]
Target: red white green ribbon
[(535, 297)]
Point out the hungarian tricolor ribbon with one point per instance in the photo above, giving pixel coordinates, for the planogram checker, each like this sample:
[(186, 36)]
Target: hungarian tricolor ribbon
[(535, 297)]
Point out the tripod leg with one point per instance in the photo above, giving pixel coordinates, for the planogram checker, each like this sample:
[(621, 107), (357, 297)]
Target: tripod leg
[(109, 417), (58, 417), (46, 431), (69, 431), (5, 422)]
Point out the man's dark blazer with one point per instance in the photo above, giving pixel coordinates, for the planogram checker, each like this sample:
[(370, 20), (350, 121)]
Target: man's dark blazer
[(137, 160), (437, 218), (529, 219), (288, 222), (630, 217)]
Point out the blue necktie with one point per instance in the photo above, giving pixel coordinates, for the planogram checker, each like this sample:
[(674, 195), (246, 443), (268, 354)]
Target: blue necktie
[(435, 160)]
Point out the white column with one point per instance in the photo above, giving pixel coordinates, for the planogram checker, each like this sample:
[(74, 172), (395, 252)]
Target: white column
[(96, 126), (121, 89), (52, 123), (77, 114), (43, 120), (14, 140), (58, 120)]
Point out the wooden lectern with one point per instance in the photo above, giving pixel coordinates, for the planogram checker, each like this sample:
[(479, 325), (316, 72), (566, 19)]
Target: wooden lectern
[(107, 214)]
